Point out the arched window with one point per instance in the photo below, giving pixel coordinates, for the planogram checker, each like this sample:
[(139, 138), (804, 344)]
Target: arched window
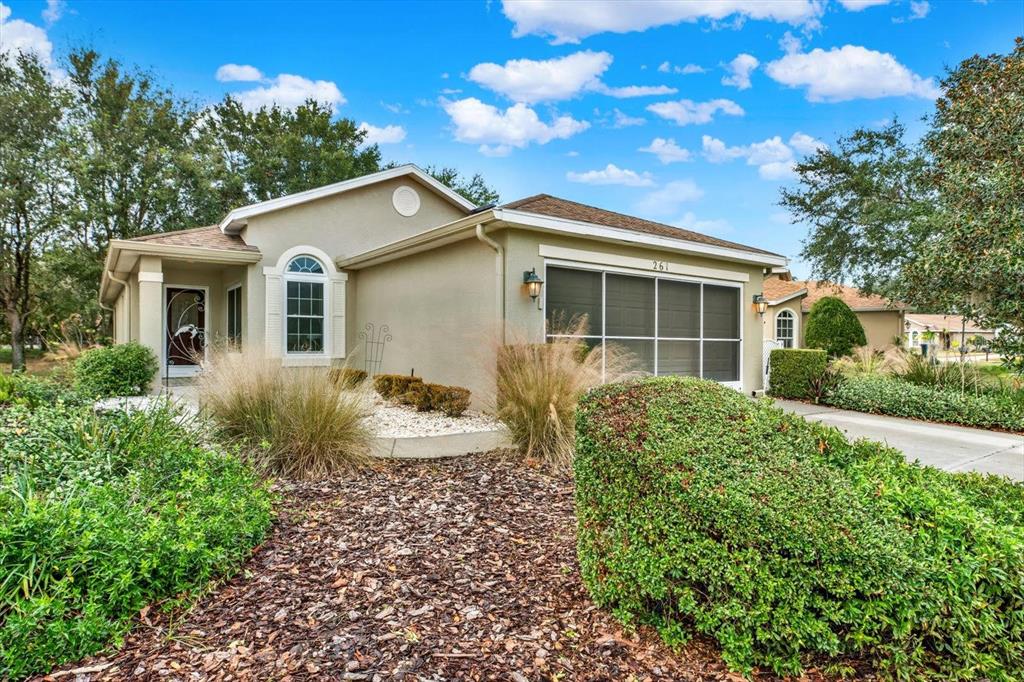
[(785, 325), (305, 284)]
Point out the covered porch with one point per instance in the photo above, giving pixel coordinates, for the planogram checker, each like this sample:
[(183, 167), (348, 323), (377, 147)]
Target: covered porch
[(180, 300)]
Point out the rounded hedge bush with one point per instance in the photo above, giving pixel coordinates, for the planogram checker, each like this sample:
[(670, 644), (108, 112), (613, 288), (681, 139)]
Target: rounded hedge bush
[(833, 326), (124, 369), (701, 511)]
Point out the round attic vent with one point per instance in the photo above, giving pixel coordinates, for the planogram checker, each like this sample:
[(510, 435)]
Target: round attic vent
[(406, 201)]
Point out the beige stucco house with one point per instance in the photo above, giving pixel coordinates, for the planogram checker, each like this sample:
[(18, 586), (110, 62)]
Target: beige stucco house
[(790, 301), (311, 278)]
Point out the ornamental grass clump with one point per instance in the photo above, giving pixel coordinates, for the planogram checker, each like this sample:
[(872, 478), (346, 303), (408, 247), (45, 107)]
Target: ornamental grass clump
[(538, 386), (703, 512), (296, 422)]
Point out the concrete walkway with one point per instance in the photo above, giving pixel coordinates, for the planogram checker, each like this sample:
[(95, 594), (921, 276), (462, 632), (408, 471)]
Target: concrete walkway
[(953, 448)]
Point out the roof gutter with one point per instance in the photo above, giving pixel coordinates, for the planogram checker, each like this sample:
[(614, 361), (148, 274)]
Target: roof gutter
[(499, 275)]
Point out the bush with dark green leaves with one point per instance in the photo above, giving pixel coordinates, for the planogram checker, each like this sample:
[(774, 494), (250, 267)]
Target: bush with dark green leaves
[(103, 515), (833, 327), (124, 369), (701, 511), (33, 391), (879, 394), (794, 370)]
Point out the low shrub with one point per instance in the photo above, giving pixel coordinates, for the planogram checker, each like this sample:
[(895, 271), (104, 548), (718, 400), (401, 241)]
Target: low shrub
[(452, 400), (791, 371), (391, 386), (347, 376), (538, 386), (899, 398), (124, 369), (701, 511), (294, 422), (833, 327), (32, 391), (102, 515)]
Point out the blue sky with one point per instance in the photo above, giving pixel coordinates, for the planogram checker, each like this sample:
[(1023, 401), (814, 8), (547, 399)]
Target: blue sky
[(689, 113)]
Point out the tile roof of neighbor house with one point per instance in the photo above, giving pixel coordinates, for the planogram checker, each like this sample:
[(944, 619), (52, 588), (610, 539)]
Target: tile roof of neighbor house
[(775, 288), (547, 205), (209, 237), (952, 323)]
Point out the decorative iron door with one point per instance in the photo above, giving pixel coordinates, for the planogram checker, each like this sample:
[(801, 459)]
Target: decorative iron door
[(186, 326)]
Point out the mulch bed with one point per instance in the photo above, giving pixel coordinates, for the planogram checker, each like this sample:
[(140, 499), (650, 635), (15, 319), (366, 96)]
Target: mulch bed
[(459, 569)]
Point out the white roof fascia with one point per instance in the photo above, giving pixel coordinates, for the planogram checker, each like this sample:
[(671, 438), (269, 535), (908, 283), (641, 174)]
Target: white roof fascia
[(615, 233), (236, 219), (795, 294)]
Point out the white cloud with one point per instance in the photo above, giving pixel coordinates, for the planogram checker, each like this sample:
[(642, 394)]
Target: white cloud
[(686, 112), (289, 91), (227, 73), (789, 43), (686, 69), (550, 80), (858, 5), (570, 22), (623, 120), (21, 36), (54, 11), (739, 70), (572, 153), (669, 199), (498, 132), (689, 221), (395, 108), (918, 10), (387, 135), (635, 91), (667, 151), (775, 160), (849, 72), (612, 175)]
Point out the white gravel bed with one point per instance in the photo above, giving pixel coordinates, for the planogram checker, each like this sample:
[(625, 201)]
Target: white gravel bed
[(402, 421)]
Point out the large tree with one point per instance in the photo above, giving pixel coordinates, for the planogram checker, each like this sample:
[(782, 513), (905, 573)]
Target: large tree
[(474, 188), (974, 263), (33, 184), (869, 204)]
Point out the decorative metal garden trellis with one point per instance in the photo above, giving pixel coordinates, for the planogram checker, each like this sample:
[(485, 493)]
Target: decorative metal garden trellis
[(179, 329), (374, 340)]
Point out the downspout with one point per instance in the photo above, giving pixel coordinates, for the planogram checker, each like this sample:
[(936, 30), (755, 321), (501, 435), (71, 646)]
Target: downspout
[(499, 274), (127, 301)]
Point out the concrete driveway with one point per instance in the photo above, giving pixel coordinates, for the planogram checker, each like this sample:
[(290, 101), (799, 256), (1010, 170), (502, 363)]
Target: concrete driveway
[(953, 448)]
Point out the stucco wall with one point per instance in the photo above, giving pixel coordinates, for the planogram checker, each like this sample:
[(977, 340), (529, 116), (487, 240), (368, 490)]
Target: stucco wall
[(343, 225), (880, 327), (440, 307), (523, 253)]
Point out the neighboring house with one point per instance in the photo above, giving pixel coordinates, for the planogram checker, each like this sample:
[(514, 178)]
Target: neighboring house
[(301, 277), (946, 330), (790, 301)]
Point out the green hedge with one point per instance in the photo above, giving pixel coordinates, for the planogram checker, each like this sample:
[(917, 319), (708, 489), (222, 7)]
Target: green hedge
[(793, 369), (124, 369), (102, 515), (701, 511), (889, 395)]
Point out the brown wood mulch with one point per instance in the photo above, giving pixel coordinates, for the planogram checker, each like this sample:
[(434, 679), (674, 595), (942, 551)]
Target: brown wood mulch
[(459, 569)]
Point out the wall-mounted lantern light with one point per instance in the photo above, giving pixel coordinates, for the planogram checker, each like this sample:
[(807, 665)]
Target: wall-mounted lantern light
[(760, 304), (533, 284)]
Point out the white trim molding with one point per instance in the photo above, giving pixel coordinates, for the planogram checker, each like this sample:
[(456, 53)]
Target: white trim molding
[(646, 265), (234, 221)]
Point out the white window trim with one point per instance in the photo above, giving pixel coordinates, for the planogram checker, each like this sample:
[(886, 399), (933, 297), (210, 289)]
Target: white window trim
[(321, 279), (655, 275), (333, 275), (796, 328)]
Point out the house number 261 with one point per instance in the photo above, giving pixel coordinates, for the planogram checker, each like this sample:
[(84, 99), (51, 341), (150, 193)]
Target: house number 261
[(659, 265)]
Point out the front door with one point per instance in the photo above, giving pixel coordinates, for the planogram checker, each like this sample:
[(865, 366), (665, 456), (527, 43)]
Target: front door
[(186, 326)]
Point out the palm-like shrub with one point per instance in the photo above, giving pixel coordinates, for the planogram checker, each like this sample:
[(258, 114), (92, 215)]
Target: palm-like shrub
[(538, 386), (295, 422), (833, 327), (864, 361)]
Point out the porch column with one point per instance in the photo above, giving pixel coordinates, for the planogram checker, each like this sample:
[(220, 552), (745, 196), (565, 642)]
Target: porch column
[(151, 310)]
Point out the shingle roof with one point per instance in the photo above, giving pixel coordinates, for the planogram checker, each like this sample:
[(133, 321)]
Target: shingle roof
[(209, 237), (545, 204), (944, 322), (775, 288)]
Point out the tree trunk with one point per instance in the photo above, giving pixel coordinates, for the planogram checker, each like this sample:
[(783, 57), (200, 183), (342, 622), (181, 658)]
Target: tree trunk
[(17, 327)]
